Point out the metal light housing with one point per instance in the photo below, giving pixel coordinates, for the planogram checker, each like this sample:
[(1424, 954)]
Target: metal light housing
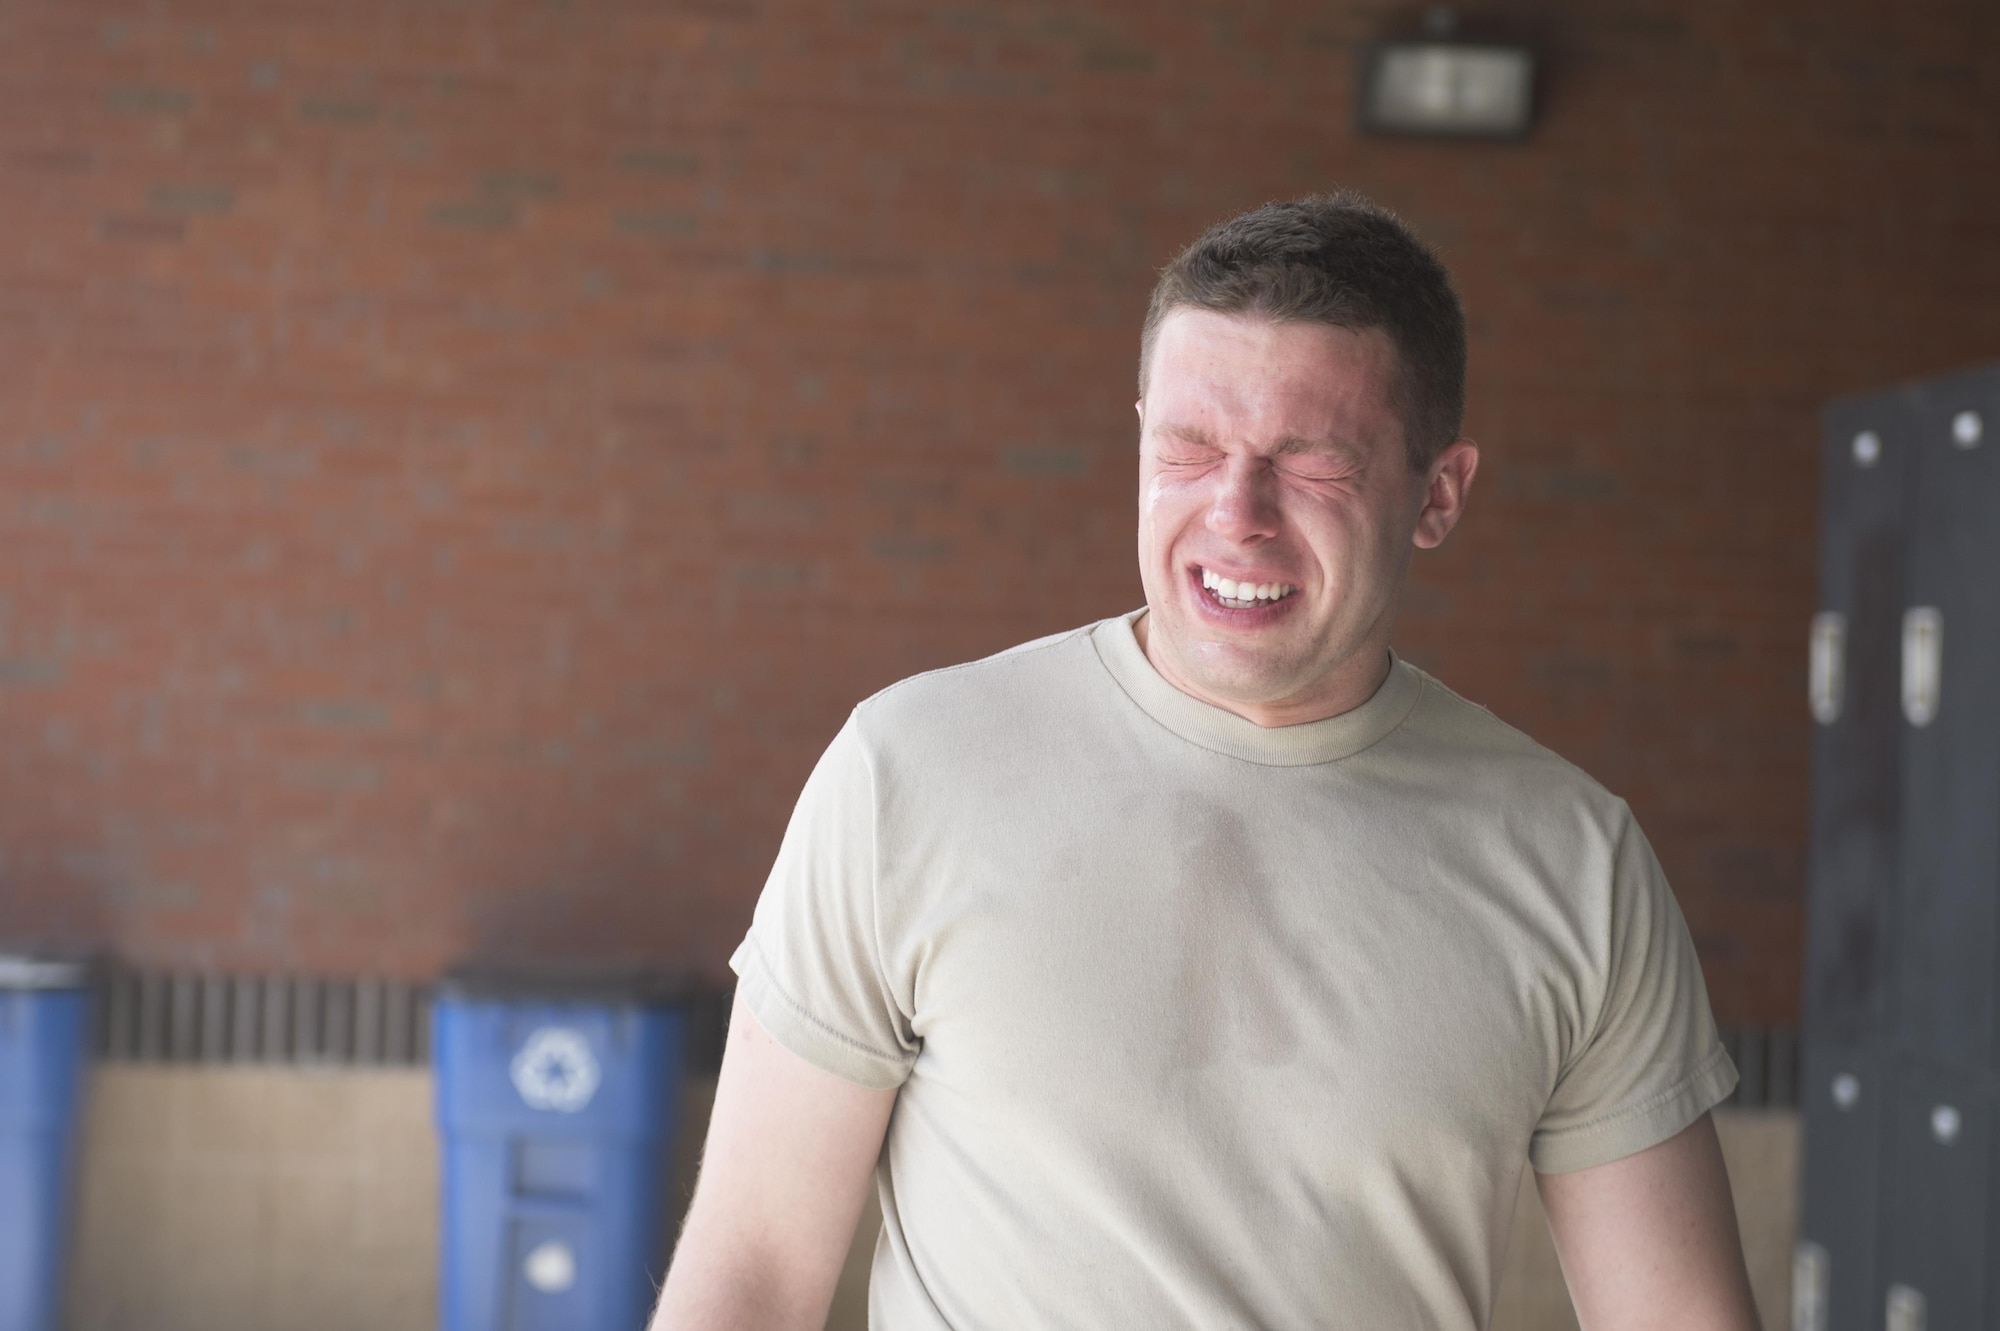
[(1444, 86)]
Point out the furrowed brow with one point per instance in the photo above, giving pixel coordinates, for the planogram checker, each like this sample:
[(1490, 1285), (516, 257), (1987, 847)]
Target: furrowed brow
[(1187, 434), (1293, 445)]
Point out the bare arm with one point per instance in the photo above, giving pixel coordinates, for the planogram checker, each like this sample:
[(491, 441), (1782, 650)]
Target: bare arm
[(790, 1155), (1649, 1242)]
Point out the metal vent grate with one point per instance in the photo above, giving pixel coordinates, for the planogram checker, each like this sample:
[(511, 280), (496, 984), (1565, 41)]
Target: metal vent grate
[(1767, 1066), (164, 1017), (155, 1016)]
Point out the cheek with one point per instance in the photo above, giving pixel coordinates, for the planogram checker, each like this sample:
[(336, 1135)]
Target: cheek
[(1344, 542), (1167, 506)]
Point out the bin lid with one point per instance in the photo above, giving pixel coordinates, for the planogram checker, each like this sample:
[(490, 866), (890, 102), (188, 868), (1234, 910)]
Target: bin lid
[(25, 970), (563, 982)]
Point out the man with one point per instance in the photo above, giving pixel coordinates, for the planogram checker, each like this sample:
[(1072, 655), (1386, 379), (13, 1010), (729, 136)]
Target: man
[(1210, 966)]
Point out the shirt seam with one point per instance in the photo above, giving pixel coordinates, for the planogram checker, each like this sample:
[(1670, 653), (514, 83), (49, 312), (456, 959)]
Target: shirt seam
[(1423, 686), (1613, 958), (1054, 641), (881, 957), (1658, 1099), (800, 1011)]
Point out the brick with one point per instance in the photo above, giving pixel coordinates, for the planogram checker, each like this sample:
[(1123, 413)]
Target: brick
[(144, 100), (191, 198), (387, 393), (662, 162), (657, 224), (338, 111)]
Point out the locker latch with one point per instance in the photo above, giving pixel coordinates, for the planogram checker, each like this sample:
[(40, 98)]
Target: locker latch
[(1923, 656), (1905, 1309), (1826, 666), (1809, 1277)]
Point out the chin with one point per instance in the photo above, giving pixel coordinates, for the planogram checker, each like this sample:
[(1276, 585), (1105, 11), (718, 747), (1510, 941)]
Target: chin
[(1237, 676)]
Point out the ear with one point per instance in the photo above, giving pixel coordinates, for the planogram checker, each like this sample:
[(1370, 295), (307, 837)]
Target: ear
[(1445, 493)]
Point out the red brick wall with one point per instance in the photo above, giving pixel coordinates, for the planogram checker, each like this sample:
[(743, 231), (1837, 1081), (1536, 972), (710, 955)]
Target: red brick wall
[(461, 460)]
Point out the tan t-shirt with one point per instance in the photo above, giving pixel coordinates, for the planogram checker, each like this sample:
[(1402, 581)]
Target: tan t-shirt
[(1199, 1024)]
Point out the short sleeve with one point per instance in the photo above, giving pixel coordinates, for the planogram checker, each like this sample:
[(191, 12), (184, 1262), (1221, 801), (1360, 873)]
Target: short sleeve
[(1651, 1063), (810, 969)]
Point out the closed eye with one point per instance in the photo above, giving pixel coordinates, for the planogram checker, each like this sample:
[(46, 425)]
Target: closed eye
[(1182, 446), (1178, 453), (1319, 469)]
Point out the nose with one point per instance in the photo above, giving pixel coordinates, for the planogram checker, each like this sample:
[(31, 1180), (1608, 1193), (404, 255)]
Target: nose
[(1244, 505)]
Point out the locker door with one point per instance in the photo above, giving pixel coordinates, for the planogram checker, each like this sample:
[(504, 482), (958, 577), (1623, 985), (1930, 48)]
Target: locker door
[(1843, 1102), (1949, 902), (1853, 690), (1940, 1149)]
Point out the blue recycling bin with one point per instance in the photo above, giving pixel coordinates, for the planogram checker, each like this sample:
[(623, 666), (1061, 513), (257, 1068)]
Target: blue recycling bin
[(44, 1021), (556, 1106)]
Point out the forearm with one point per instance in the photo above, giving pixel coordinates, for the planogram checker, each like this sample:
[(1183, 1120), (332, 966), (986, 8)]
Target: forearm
[(785, 1173), (1649, 1243), (722, 1281)]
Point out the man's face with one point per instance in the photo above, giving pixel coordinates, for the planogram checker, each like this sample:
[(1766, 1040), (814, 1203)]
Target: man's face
[(1277, 511)]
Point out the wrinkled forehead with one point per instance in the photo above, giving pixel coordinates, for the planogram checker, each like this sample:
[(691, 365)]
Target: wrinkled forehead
[(1213, 372)]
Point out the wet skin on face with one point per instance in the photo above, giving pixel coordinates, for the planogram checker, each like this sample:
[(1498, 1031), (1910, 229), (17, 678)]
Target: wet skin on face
[(1278, 512)]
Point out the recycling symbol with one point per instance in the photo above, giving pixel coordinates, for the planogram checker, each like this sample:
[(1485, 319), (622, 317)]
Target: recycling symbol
[(555, 1070)]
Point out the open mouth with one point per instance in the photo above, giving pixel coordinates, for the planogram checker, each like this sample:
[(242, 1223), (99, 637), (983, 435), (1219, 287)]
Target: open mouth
[(1231, 594)]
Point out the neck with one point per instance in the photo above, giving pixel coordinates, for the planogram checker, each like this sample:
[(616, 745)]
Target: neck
[(1350, 684)]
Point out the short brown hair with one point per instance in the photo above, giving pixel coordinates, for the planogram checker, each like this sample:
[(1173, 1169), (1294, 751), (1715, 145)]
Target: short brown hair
[(1334, 259)]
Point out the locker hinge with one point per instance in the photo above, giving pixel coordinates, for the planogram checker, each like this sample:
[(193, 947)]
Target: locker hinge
[(1826, 666), (1923, 663), (1967, 429), (1945, 1124)]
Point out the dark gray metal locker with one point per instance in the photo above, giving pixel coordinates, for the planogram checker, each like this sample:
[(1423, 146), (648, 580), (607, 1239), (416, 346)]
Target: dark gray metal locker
[(1843, 1103), (1900, 1212), (1854, 687), (1949, 896), (1940, 1186)]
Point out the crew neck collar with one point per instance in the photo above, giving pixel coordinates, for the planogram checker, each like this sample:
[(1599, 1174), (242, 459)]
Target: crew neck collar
[(1324, 741)]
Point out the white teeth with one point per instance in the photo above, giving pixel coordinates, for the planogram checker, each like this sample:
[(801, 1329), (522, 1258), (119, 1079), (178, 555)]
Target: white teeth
[(1240, 594)]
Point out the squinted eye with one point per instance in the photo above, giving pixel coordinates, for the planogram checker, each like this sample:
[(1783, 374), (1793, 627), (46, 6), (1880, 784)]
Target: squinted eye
[(1316, 469)]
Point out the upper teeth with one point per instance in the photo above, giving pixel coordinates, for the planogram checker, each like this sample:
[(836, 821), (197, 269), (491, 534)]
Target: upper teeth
[(1231, 590)]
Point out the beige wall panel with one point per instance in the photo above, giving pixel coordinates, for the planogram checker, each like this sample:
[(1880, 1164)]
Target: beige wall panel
[(219, 1198), (1761, 1149), (240, 1199)]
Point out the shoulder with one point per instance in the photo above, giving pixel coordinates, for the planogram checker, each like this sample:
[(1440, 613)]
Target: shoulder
[(1471, 749), (994, 696)]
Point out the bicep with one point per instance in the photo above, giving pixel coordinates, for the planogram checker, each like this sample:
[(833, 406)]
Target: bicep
[(785, 1172), (1650, 1240)]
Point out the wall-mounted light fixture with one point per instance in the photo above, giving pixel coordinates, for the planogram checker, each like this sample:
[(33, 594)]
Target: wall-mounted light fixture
[(1445, 84)]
